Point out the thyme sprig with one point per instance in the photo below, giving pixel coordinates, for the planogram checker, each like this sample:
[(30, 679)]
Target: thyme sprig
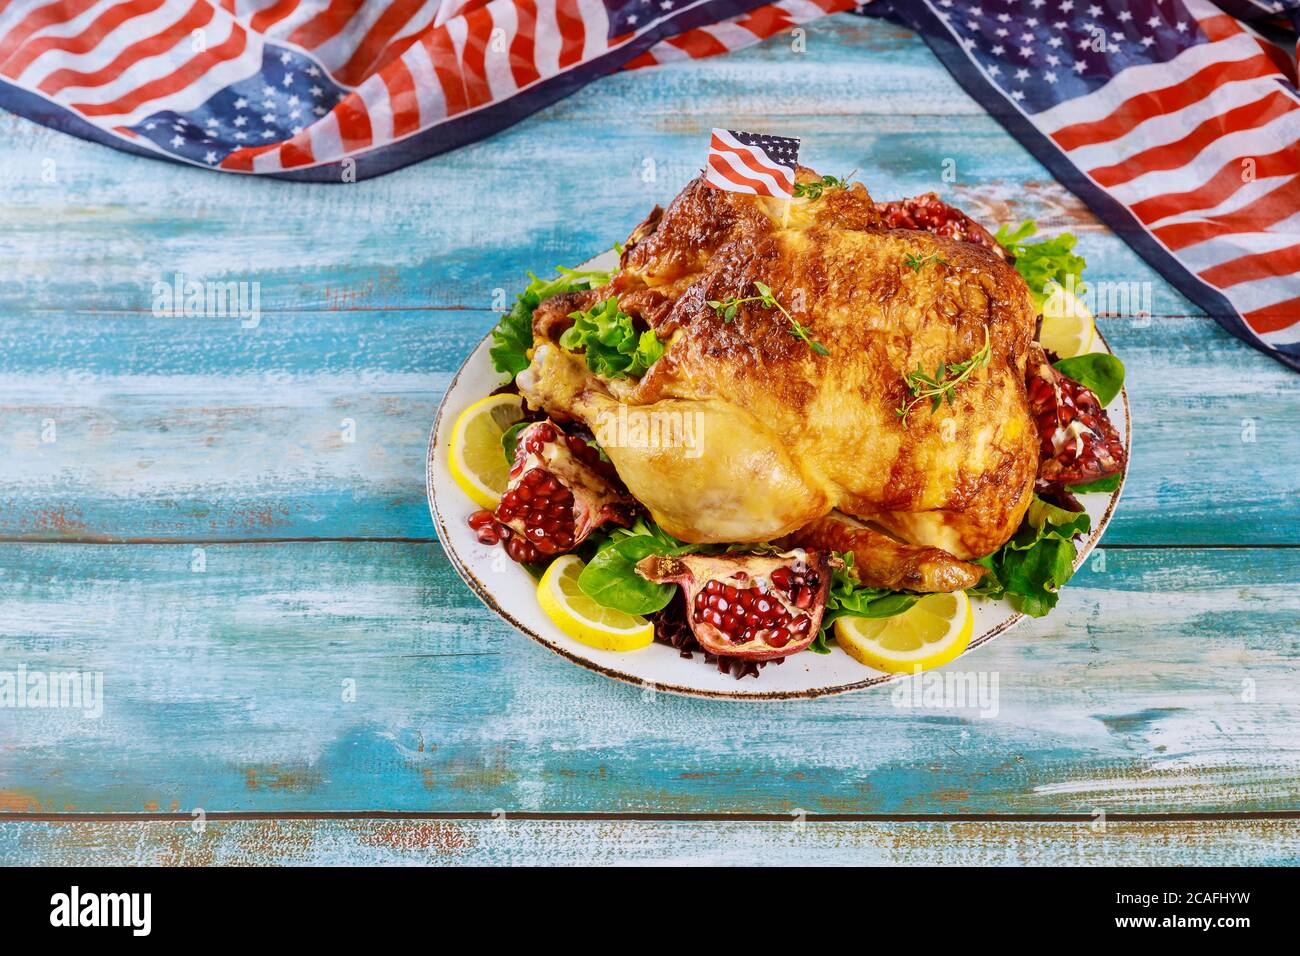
[(917, 263), (814, 189), (939, 387), (726, 310)]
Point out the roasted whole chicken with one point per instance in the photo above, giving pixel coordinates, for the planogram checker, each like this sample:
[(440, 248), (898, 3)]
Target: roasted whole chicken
[(790, 333)]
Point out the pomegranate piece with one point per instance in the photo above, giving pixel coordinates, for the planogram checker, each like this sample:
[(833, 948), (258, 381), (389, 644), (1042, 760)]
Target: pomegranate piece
[(929, 213), (560, 490), (752, 606), (1077, 442)]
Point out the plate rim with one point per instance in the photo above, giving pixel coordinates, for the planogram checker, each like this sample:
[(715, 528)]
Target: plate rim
[(877, 679)]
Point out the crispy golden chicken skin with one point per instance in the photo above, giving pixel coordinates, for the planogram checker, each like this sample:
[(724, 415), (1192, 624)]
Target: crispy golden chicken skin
[(784, 435)]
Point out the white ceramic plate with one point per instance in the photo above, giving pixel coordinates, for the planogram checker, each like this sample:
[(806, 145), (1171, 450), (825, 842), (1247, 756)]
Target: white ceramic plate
[(511, 591)]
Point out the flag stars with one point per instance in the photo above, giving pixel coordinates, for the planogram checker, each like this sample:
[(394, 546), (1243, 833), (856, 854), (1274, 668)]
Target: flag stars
[(288, 80), (1147, 41), (210, 157), (177, 142), (240, 120), (294, 101), (241, 104), (316, 91), (1022, 74), (286, 57), (1050, 76), (312, 71), (1025, 52), (268, 118), (269, 91)]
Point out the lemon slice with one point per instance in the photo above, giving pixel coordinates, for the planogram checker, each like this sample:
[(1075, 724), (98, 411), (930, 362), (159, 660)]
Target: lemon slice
[(477, 463), (1068, 328), (929, 634), (582, 618)]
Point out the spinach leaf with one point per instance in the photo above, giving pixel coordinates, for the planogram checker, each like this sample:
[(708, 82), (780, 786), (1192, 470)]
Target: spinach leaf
[(1109, 483), (1101, 374), (610, 578), (510, 439), (613, 347), (513, 336)]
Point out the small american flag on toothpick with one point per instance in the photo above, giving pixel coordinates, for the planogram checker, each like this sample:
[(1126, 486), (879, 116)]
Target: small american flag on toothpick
[(752, 163)]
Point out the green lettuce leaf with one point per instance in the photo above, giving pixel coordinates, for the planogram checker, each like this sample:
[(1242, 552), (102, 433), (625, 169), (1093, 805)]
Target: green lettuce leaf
[(613, 347), (1036, 563), (848, 599), (513, 336), (1046, 263)]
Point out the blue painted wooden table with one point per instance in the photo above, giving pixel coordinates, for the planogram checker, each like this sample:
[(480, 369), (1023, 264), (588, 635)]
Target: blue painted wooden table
[(182, 511)]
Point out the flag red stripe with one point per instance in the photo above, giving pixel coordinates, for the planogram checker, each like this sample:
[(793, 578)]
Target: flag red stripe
[(1218, 187), (241, 160), (523, 62), (1183, 151), (442, 54), (698, 44), (296, 152), (83, 42), (372, 45), (327, 24), (1159, 102), (473, 58), (38, 19), (1272, 207), (1219, 27), (766, 21), (573, 32), (778, 173), (162, 41), (731, 175), (265, 19), (1273, 318), (1260, 265), (401, 94), (173, 82), (354, 122)]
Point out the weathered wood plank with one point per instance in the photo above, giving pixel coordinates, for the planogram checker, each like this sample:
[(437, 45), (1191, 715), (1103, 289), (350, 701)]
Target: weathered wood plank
[(185, 429), (449, 231), (1164, 682), (509, 842)]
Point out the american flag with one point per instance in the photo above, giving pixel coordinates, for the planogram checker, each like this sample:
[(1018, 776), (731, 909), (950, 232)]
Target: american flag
[(1174, 120), (753, 163)]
